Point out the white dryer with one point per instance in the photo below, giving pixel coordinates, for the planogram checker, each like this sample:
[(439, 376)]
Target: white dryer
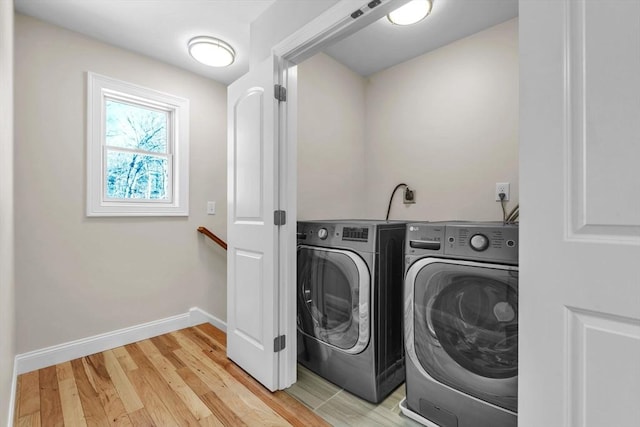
[(461, 323)]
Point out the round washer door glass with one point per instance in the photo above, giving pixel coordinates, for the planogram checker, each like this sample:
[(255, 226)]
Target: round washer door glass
[(468, 314), (332, 286)]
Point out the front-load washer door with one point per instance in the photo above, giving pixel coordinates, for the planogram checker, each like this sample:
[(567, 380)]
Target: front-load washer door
[(333, 297), (462, 327)]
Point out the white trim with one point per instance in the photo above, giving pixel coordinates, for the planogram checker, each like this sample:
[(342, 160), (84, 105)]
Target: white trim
[(287, 373), (98, 88), (60, 353), (12, 397), (198, 316), (334, 24)]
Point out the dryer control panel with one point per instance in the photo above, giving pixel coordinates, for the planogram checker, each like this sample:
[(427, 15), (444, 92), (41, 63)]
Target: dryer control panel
[(490, 241)]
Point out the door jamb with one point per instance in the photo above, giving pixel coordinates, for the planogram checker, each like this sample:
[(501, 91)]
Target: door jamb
[(334, 24)]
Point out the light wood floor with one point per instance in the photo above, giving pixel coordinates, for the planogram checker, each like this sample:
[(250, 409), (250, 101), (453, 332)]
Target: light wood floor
[(180, 379)]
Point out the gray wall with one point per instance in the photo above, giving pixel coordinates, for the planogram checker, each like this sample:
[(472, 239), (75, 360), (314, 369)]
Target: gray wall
[(446, 123), (7, 327), (77, 276), (331, 145)]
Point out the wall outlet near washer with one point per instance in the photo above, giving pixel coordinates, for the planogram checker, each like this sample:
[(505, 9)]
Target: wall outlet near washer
[(408, 196), (502, 187)]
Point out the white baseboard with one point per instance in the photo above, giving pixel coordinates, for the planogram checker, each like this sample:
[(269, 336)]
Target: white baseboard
[(12, 397), (53, 355), (199, 316)]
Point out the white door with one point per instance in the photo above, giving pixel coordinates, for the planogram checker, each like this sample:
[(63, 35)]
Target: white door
[(252, 263), (580, 222)]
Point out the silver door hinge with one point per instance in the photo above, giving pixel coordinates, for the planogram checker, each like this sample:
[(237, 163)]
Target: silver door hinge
[(279, 217), (280, 92), (279, 343)]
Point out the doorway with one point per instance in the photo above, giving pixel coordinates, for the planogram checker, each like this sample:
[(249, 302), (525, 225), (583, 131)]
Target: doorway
[(444, 121)]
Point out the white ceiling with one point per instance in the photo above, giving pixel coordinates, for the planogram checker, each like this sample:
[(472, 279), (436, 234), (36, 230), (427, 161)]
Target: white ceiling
[(382, 44), (158, 28), (162, 28)]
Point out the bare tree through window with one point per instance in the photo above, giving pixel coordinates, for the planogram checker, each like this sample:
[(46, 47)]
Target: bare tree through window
[(136, 154)]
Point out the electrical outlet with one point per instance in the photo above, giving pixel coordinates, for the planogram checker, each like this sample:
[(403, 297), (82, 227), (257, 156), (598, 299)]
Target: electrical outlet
[(211, 208), (502, 187), (408, 196)]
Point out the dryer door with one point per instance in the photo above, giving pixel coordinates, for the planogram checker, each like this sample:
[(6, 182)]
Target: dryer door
[(333, 297), (462, 328)]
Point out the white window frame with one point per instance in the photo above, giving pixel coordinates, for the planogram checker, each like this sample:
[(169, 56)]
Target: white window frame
[(100, 88)]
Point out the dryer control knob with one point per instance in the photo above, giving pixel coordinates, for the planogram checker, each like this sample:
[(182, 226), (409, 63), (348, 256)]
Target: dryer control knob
[(323, 233), (479, 242)]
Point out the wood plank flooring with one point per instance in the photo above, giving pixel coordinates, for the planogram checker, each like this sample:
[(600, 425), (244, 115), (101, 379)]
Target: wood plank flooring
[(179, 379)]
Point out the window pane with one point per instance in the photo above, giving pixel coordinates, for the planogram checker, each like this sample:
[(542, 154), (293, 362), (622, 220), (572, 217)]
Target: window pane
[(135, 127), (136, 176)]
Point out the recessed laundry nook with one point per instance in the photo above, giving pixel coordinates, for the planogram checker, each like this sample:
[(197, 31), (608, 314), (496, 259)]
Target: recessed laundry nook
[(372, 304), (334, 153)]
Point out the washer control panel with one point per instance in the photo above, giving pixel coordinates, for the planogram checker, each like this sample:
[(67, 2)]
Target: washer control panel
[(336, 235), (424, 238), (490, 241)]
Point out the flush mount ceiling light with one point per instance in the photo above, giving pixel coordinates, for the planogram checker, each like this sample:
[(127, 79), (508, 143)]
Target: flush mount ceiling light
[(410, 13), (211, 51)]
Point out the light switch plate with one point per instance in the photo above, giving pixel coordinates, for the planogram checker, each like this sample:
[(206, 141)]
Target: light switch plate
[(211, 208)]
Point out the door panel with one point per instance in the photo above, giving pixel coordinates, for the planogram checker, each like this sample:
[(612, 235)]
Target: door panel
[(580, 217), (249, 276), (249, 155), (592, 338), (252, 273), (604, 121)]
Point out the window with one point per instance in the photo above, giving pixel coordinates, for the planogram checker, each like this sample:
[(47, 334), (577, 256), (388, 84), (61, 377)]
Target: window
[(137, 150)]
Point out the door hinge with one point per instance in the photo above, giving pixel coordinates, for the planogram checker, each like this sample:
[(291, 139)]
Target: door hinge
[(279, 217), (279, 343), (280, 92)]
